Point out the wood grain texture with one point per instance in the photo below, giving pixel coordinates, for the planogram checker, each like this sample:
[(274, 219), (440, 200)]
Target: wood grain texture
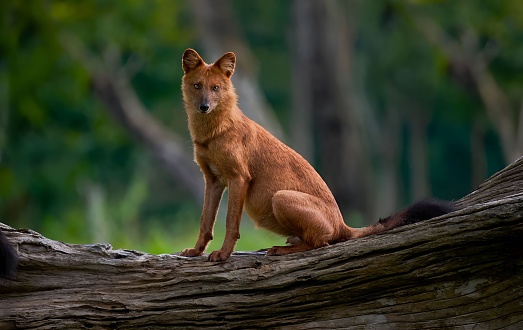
[(461, 270)]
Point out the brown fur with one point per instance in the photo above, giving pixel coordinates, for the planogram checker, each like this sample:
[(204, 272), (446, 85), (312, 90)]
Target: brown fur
[(423, 210), (278, 189)]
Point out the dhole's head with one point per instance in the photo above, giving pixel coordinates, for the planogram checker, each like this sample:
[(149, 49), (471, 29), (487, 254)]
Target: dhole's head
[(207, 86)]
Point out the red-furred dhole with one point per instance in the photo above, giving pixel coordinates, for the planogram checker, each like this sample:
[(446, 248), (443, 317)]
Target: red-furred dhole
[(278, 188)]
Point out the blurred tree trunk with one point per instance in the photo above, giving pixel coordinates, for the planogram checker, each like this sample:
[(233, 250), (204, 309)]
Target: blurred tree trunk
[(458, 270), (386, 141), (123, 103), (418, 155), (469, 64), (219, 33), (111, 84), (497, 106), (301, 117), (323, 52), (95, 204), (477, 152), (4, 113)]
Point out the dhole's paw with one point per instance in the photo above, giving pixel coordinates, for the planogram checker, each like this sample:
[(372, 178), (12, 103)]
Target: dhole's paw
[(277, 251), (219, 255), (283, 250), (191, 253)]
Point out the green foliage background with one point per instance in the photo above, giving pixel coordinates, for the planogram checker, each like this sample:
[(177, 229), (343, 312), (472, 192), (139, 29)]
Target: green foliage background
[(57, 142)]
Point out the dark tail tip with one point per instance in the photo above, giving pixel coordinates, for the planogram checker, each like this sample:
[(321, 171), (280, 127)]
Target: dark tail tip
[(423, 210), (8, 258), (427, 209)]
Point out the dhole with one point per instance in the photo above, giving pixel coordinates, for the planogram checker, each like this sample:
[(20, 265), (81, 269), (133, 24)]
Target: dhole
[(278, 188)]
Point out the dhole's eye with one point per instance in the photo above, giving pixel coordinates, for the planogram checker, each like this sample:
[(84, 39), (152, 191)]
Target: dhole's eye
[(197, 86), (215, 88)]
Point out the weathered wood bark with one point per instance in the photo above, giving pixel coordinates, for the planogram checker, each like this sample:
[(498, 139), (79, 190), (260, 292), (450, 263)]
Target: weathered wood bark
[(460, 270)]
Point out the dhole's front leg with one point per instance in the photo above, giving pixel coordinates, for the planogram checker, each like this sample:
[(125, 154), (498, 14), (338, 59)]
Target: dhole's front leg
[(213, 194), (237, 192)]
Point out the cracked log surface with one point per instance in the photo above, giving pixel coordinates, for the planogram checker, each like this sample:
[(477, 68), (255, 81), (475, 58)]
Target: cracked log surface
[(461, 270)]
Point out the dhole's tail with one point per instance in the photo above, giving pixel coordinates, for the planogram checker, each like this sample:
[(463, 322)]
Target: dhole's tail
[(8, 258), (422, 210)]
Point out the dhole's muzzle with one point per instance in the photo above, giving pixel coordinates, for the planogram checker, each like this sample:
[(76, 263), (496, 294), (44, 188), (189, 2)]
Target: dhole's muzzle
[(204, 107)]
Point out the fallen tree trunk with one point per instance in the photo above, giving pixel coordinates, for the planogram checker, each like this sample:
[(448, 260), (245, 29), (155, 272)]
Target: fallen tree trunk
[(459, 270)]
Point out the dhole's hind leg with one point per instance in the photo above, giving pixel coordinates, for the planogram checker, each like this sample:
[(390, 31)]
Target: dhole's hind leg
[(304, 216)]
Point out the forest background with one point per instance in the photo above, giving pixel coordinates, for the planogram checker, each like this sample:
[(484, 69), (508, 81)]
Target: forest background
[(391, 101)]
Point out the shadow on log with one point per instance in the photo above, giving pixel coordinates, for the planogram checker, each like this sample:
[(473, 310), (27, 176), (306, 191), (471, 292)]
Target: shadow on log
[(461, 270)]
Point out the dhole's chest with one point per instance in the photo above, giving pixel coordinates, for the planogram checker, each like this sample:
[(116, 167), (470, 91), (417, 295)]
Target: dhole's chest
[(220, 162), (215, 170)]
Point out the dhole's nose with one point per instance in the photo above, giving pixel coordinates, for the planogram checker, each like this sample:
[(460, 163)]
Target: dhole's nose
[(204, 107)]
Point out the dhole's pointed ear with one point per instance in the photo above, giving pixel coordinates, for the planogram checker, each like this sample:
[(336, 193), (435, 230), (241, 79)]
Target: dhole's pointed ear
[(226, 63), (191, 60)]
